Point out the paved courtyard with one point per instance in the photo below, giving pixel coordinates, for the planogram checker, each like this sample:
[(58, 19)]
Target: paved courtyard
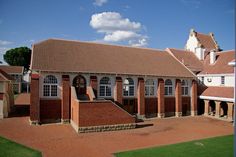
[(60, 140)]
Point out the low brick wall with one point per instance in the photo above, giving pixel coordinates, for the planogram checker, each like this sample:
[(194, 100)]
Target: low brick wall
[(50, 110), (99, 115), (96, 113)]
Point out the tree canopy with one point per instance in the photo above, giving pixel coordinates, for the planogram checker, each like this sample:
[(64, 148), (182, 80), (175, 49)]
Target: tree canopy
[(19, 56)]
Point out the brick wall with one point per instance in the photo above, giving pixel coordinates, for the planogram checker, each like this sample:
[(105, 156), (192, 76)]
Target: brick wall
[(141, 98), (118, 90), (94, 84), (186, 104), (50, 110), (34, 99), (102, 113), (150, 107), (65, 110), (161, 98), (169, 106)]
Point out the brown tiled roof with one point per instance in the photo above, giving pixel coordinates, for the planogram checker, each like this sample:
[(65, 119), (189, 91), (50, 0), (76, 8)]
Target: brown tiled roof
[(4, 76), (224, 92), (75, 56), (188, 58), (207, 41), (12, 69), (221, 65)]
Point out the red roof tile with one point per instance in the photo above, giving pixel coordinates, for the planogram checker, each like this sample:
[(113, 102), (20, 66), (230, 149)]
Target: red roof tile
[(221, 64), (207, 41), (224, 92), (75, 56), (188, 58), (12, 69)]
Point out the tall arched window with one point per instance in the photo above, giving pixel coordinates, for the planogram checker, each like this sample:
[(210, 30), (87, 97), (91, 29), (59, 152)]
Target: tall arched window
[(168, 87), (128, 87), (105, 87), (184, 84), (50, 86), (149, 87)]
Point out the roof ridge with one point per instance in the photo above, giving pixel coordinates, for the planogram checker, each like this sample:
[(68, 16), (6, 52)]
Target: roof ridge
[(98, 43)]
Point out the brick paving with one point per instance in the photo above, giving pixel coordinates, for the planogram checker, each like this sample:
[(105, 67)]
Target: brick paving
[(60, 140), (23, 99)]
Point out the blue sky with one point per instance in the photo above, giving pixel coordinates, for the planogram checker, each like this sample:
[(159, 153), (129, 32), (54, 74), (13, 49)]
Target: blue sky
[(149, 23)]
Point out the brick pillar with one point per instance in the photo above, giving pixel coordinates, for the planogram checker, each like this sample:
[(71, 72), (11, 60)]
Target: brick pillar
[(141, 98), (178, 98), (206, 107), (94, 84), (34, 100), (194, 98), (65, 107), (230, 111), (118, 88), (217, 108), (161, 99)]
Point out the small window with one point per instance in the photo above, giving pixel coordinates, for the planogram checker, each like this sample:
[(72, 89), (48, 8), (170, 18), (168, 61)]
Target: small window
[(50, 86), (168, 87), (128, 87), (184, 84), (149, 87), (202, 79), (105, 87), (222, 80)]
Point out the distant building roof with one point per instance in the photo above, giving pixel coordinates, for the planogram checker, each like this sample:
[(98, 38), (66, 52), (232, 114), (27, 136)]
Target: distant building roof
[(12, 69), (188, 59), (58, 55), (207, 41), (222, 92), (221, 64), (4, 76)]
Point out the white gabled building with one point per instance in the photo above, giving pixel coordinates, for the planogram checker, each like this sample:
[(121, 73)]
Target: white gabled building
[(215, 72)]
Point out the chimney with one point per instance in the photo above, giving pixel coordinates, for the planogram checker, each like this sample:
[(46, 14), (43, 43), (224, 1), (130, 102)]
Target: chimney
[(212, 57)]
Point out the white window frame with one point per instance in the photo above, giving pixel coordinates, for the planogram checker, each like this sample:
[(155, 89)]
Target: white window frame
[(128, 86), (185, 87), (106, 86), (148, 88), (222, 80), (169, 88), (50, 85)]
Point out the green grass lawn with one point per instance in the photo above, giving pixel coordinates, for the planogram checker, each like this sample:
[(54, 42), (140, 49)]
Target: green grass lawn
[(11, 149), (211, 147)]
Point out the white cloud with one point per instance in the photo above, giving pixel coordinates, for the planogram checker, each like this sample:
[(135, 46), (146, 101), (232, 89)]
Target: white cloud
[(4, 49), (4, 42), (117, 29), (99, 2)]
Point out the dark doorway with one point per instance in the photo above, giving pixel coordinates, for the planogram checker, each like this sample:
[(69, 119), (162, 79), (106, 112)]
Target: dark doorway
[(79, 83), (224, 109), (201, 107), (212, 106)]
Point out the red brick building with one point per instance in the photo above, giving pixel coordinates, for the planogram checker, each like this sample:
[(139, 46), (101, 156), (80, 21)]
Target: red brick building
[(105, 87)]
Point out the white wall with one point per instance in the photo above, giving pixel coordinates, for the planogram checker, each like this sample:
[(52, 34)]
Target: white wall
[(192, 43), (216, 80), (99, 76)]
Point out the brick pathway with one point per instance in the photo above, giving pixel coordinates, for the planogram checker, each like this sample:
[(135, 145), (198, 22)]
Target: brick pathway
[(59, 140)]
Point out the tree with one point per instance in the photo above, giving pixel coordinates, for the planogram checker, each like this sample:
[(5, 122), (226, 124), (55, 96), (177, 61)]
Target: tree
[(19, 56)]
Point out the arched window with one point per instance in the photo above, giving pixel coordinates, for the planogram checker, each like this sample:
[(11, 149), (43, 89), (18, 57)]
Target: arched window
[(168, 87), (149, 87), (128, 87), (184, 84), (105, 87), (50, 86)]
